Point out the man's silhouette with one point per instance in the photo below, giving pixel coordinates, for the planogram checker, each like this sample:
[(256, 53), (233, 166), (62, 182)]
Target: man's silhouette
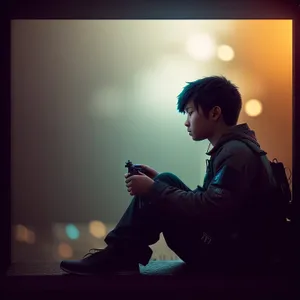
[(221, 224)]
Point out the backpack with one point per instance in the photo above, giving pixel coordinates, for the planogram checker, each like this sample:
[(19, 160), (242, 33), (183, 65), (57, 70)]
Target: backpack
[(282, 189), (282, 194), (282, 213), (279, 213), (278, 216)]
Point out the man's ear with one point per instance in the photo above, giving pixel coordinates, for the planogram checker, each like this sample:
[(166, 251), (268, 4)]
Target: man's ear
[(216, 112)]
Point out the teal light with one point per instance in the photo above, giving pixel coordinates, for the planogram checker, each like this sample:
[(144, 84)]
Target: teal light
[(72, 232)]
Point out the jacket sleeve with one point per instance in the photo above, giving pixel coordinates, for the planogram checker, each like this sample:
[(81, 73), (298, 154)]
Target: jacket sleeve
[(234, 172)]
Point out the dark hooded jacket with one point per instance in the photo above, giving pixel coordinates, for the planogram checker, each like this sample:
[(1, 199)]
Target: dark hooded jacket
[(230, 209)]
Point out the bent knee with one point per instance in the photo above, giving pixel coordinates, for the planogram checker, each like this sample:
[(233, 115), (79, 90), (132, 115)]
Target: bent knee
[(166, 176)]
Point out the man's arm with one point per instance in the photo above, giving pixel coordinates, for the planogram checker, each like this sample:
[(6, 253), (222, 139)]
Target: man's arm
[(223, 197)]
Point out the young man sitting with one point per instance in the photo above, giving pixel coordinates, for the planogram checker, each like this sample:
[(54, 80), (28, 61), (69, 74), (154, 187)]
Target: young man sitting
[(222, 224)]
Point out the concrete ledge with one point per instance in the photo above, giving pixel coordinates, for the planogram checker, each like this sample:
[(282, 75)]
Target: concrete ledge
[(172, 277)]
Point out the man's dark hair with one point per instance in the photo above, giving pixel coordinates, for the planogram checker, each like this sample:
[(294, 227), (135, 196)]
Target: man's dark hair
[(212, 91)]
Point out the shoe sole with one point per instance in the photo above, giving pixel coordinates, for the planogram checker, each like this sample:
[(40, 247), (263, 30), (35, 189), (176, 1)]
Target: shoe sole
[(104, 273)]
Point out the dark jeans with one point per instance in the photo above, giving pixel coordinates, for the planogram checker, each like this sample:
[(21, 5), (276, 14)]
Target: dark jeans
[(141, 225)]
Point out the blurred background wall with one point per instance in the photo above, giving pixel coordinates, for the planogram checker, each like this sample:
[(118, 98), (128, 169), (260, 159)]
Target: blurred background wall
[(87, 95)]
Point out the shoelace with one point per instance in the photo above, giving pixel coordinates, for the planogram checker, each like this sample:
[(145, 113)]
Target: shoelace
[(92, 251)]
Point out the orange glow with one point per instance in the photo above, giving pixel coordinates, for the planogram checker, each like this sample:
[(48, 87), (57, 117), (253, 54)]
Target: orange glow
[(65, 250), (253, 108), (97, 229)]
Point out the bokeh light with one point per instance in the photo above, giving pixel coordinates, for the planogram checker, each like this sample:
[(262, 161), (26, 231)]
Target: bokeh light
[(30, 239), (253, 108), (65, 250), (72, 231), (200, 47), (225, 53), (23, 234), (97, 229), (165, 80)]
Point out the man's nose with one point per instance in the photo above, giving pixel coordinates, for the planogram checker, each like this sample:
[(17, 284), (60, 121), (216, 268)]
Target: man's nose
[(186, 123)]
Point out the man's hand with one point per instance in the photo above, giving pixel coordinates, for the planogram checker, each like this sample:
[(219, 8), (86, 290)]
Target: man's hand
[(150, 172), (138, 185)]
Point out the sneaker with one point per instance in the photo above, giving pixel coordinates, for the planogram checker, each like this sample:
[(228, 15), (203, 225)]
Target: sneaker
[(102, 261)]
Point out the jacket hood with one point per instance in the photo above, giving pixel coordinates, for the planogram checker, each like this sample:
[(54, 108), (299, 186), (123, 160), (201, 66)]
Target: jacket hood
[(242, 133)]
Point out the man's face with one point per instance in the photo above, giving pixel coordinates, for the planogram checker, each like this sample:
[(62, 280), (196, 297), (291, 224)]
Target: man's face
[(199, 127)]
